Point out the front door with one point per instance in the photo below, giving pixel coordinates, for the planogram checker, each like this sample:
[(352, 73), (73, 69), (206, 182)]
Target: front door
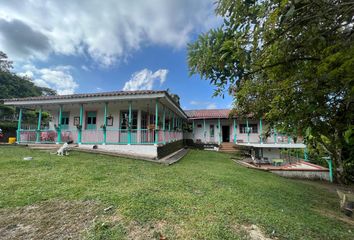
[(226, 133)]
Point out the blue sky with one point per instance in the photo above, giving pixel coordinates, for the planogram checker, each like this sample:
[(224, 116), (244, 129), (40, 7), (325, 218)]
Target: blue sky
[(118, 45)]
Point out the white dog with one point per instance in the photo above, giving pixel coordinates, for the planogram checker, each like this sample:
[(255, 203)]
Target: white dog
[(63, 150)]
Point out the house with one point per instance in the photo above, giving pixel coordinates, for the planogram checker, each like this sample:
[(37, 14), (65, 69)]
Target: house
[(140, 123)]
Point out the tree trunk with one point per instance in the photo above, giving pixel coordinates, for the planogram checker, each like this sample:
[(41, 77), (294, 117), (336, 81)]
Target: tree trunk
[(338, 166)]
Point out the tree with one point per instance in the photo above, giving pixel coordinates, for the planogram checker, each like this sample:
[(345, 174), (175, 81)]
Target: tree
[(5, 64), (291, 62), (14, 86)]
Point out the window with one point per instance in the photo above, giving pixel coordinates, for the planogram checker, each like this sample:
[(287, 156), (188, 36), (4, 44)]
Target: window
[(144, 120), (253, 128), (124, 122), (91, 120), (65, 120), (199, 125), (212, 131)]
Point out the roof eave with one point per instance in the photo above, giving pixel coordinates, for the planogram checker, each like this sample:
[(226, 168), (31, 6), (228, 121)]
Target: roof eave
[(39, 102), (28, 102)]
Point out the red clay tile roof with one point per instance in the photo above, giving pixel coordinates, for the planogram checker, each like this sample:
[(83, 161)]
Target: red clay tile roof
[(87, 95), (208, 113)]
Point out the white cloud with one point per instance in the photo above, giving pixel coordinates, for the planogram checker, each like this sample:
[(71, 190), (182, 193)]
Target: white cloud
[(58, 78), (145, 79), (85, 68), (203, 104), (106, 31), (211, 106)]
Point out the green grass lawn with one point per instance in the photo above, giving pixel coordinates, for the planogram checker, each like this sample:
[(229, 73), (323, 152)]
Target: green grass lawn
[(204, 196)]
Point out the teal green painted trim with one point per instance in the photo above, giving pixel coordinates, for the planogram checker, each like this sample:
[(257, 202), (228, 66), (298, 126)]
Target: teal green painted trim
[(59, 123), (105, 123), (164, 124), (173, 121), (330, 167), (219, 130), (130, 123), (261, 130), (275, 135), (38, 134), (289, 139), (19, 126), (79, 135), (306, 157), (204, 130), (169, 126), (235, 131), (248, 131), (174, 124), (156, 121)]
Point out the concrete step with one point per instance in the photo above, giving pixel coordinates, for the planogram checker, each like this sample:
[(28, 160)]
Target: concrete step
[(174, 157), (228, 150)]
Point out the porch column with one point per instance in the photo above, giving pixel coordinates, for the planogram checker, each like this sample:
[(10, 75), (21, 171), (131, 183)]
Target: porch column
[(139, 133), (169, 126), (164, 125), (156, 122), (235, 133), (173, 126), (59, 124), (204, 130), (38, 134), (275, 135), (261, 130), (248, 131), (289, 139), (306, 156), (18, 137), (105, 123), (219, 133), (79, 135), (130, 123)]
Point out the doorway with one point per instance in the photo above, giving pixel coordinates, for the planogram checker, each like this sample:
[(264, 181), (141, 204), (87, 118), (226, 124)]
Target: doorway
[(226, 133)]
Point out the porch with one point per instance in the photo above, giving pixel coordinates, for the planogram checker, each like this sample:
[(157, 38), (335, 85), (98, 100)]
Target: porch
[(115, 118), (100, 136)]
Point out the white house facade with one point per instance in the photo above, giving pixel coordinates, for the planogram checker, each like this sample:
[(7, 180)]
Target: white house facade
[(137, 123)]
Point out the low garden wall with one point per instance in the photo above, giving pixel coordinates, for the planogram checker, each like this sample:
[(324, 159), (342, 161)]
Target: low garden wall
[(163, 151)]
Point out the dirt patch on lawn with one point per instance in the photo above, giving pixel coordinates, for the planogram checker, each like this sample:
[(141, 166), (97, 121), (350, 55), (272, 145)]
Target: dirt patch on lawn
[(252, 232), (137, 231), (47, 220), (331, 187), (338, 216)]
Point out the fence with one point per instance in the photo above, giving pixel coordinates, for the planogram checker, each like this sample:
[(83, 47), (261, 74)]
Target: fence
[(101, 136)]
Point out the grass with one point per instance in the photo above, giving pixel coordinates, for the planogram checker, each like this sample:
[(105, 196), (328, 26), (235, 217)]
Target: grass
[(204, 196)]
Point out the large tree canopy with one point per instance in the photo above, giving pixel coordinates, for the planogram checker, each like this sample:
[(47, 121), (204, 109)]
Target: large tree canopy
[(291, 62), (14, 86)]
